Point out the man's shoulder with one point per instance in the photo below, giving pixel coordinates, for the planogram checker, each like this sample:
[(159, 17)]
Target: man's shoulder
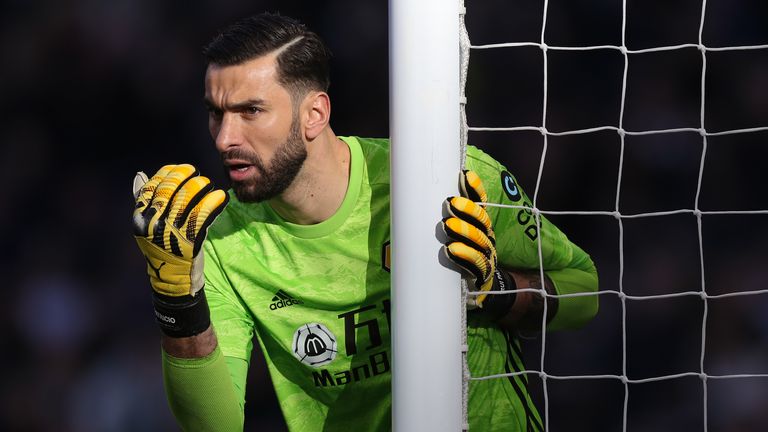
[(379, 147), (376, 154), (375, 157), (373, 147), (382, 145), (479, 160), (378, 143)]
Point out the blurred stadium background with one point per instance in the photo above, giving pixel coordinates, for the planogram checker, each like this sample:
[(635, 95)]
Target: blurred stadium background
[(93, 91)]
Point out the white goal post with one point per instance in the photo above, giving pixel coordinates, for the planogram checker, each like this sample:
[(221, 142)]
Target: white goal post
[(427, 380)]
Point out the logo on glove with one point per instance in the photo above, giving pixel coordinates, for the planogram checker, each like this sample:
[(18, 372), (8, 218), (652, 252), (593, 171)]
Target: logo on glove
[(155, 269)]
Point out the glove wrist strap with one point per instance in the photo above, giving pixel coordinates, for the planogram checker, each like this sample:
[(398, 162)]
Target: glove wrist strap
[(496, 307), (182, 316)]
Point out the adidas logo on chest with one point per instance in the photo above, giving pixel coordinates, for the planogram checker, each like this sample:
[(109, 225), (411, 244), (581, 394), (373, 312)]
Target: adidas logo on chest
[(281, 300)]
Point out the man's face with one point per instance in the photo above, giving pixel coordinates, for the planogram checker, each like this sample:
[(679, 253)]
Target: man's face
[(255, 126)]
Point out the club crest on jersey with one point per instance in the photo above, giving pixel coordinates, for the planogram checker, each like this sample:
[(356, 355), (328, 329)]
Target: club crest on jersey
[(510, 187), (314, 345), (385, 257)]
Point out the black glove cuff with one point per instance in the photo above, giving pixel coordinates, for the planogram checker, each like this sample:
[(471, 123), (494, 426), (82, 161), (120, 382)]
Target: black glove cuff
[(182, 316), (497, 306)]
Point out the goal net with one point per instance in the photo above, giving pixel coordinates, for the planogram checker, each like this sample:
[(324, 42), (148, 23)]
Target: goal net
[(640, 128)]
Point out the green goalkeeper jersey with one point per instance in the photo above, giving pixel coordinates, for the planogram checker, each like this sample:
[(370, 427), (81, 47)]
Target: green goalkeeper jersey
[(317, 298)]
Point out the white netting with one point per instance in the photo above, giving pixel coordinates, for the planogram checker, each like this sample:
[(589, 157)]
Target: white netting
[(616, 288)]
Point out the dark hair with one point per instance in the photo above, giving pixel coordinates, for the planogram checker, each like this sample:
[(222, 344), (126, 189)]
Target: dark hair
[(302, 66)]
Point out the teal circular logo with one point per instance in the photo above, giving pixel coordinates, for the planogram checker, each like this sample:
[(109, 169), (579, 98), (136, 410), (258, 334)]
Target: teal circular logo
[(510, 187)]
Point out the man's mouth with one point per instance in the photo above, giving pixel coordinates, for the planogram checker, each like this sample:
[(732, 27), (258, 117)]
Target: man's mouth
[(239, 170)]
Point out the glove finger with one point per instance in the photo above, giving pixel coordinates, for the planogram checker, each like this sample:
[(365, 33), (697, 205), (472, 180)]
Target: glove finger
[(459, 230), (185, 238), (471, 260), (138, 182), (467, 210), (144, 195), (472, 189), (476, 264), (471, 186), (143, 189), (158, 209), (203, 215), (187, 197), (184, 200)]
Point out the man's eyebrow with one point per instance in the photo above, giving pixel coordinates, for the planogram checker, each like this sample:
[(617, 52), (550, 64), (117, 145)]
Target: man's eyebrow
[(209, 104), (239, 106)]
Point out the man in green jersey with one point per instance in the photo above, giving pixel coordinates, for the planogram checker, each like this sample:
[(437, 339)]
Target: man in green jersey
[(298, 255)]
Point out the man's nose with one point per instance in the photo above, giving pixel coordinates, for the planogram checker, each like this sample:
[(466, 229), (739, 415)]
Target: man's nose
[(228, 134)]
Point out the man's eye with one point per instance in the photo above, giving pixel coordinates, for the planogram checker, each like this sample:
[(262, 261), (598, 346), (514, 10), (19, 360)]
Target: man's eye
[(253, 110), (215, 113)]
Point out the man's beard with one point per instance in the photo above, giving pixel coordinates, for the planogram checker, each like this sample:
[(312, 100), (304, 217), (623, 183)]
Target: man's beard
[(275, 178)]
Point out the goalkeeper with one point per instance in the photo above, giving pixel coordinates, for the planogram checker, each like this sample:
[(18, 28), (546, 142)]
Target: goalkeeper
[(297, 257)]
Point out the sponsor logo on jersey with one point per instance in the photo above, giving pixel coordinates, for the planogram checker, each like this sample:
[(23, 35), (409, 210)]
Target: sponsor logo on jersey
[(375, 364), (510, 187), (366, 344), (526, 218), (524, 215), (281, 300), (314, 344)]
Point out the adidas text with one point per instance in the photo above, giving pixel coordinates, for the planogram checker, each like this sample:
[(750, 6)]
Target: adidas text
[(284, 303)]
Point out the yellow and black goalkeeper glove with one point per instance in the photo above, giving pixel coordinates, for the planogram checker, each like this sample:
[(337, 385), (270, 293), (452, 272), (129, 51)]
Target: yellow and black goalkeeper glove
[(471, 245), (173, 211)]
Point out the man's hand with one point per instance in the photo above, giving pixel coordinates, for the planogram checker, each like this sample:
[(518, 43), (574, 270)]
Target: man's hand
[(471, 244), (173, 211)]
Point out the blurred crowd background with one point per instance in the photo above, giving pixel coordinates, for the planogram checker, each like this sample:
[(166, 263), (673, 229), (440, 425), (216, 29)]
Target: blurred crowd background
[(93, 91)]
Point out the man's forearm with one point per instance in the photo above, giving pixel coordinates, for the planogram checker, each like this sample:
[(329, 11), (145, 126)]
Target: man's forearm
[(527, 310), (200, 345)]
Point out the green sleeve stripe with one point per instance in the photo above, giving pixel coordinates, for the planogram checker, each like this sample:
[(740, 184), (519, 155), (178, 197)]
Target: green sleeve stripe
[(520, 385), (200, 393)]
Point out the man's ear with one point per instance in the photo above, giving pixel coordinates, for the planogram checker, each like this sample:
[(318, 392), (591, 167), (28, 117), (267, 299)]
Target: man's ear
[(316, 111)]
